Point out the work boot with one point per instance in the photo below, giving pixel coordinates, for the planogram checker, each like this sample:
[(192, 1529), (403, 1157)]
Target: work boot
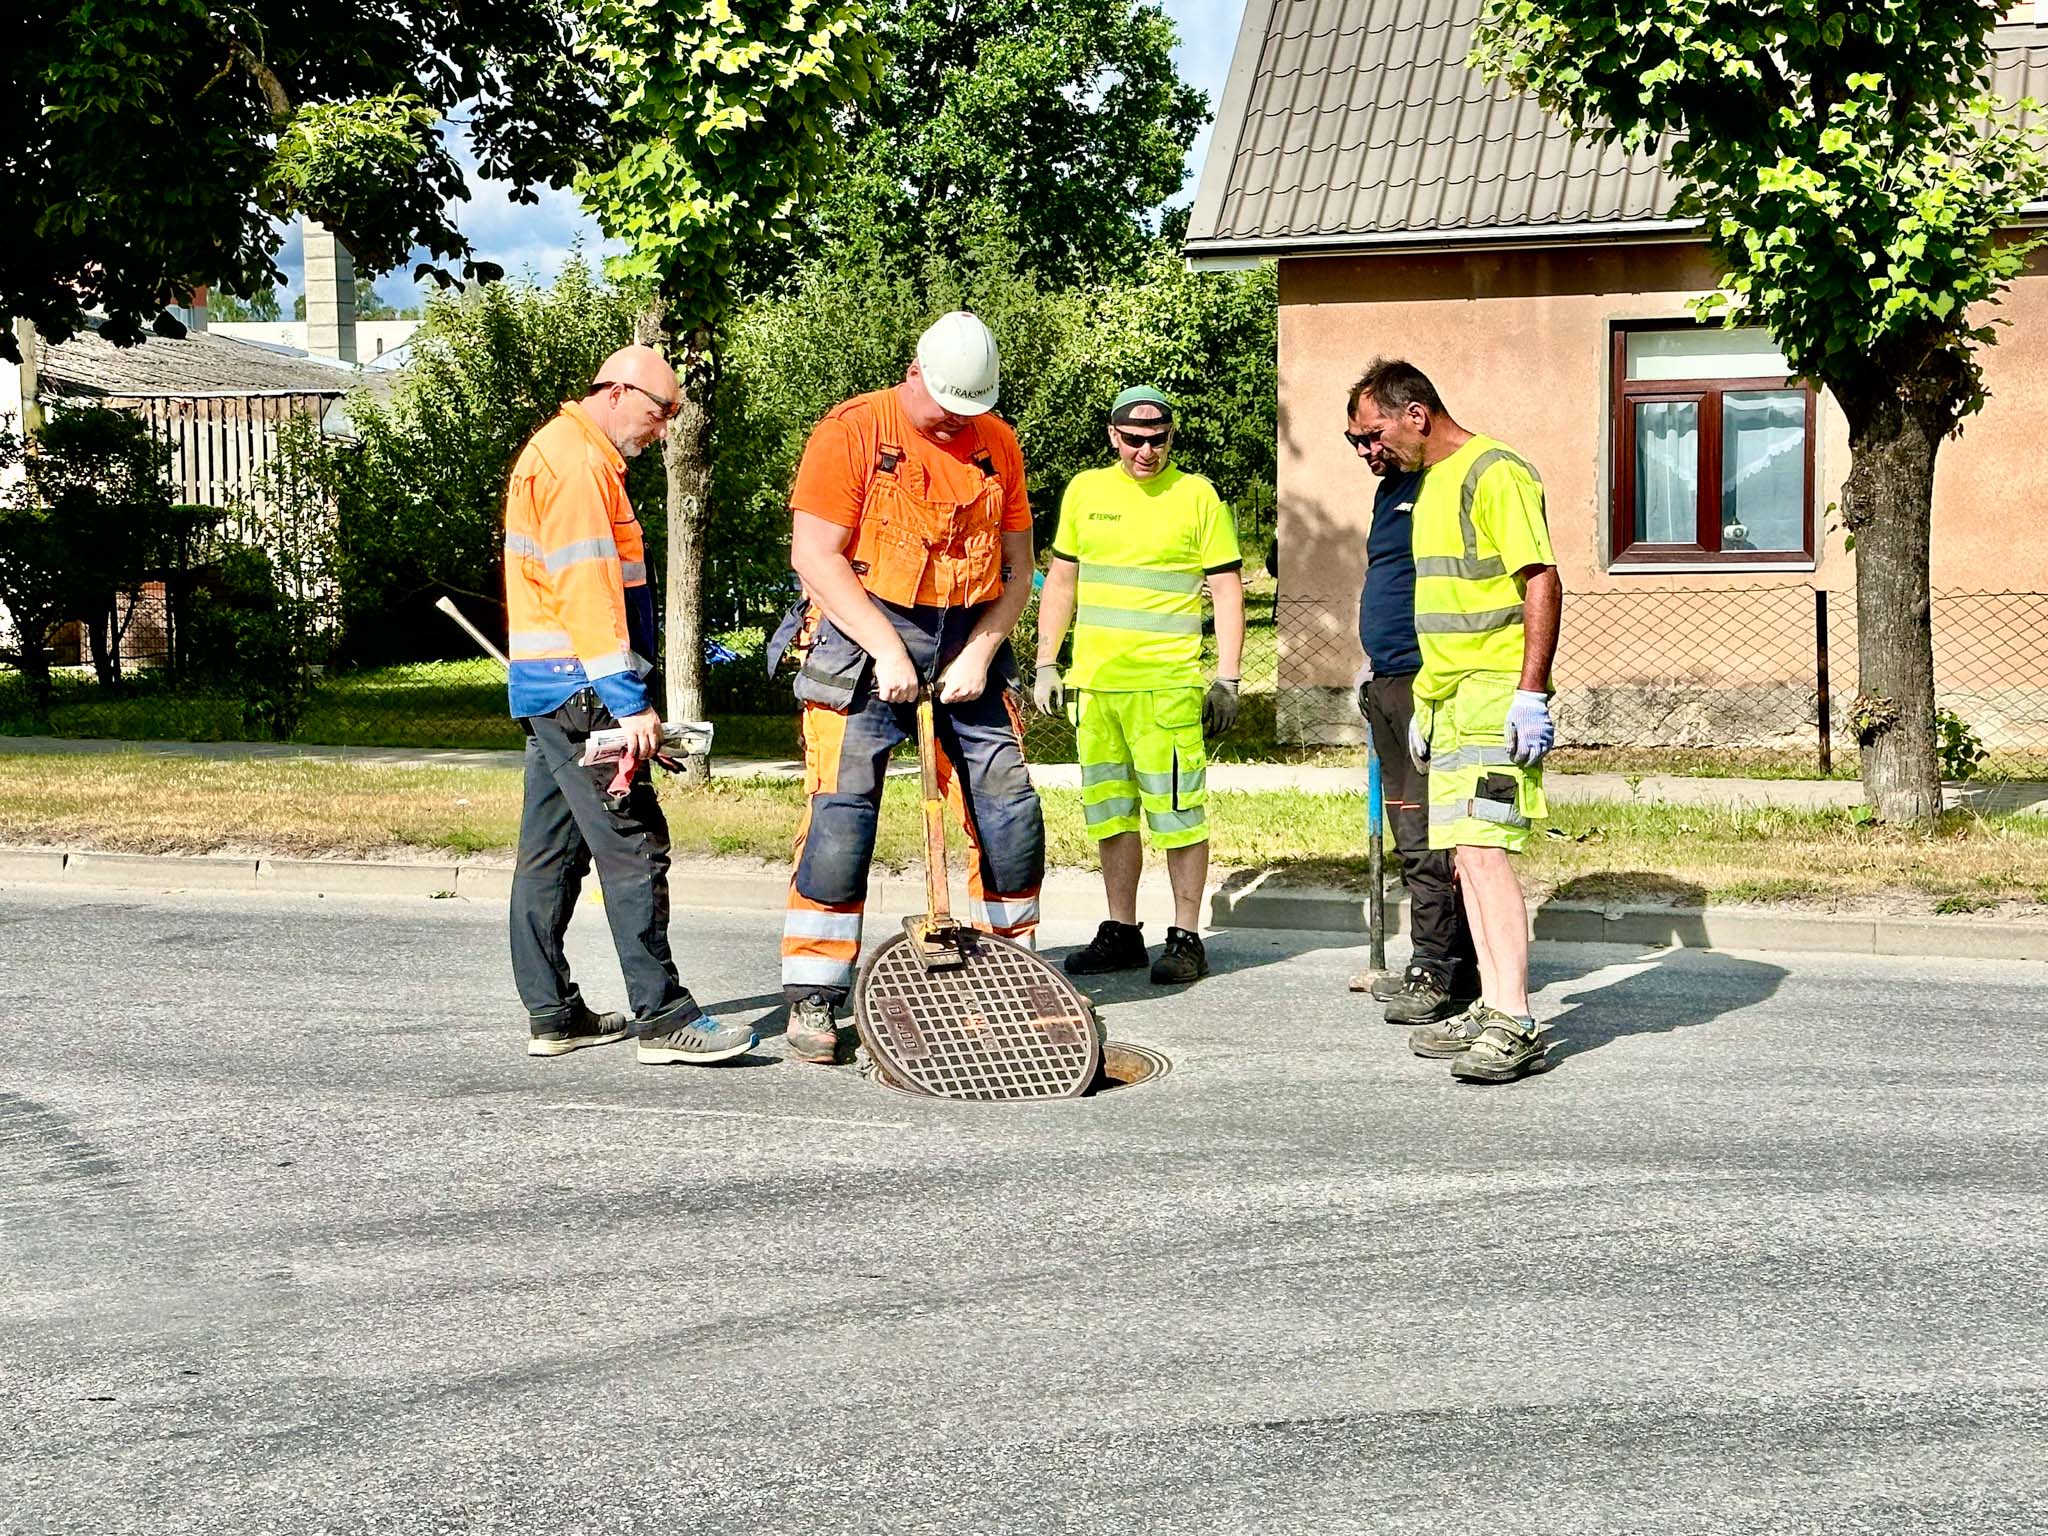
[(574, 1030), (1183, 959), (668, 1037), (1504, 1049), (811, 1034), (1449, 1037), (1115, 947), (1420, 997)]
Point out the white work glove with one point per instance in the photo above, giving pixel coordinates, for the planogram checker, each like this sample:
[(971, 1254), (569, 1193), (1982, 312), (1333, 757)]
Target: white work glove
[(1048, 693), (1418, 739), (1529, 733)]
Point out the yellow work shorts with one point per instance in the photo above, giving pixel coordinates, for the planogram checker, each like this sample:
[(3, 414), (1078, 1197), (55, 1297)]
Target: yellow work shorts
[(1143, 750), (1478, 796)]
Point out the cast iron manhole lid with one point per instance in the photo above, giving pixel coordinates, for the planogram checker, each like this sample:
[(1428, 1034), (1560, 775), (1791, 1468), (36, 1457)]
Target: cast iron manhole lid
[(1003, 1025)]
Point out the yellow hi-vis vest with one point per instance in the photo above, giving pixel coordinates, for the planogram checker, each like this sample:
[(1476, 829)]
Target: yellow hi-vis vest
[(1478, 520)]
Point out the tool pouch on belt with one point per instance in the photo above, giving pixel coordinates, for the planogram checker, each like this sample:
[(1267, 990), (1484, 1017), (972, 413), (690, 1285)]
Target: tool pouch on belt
[(832, 668), (792, 636)]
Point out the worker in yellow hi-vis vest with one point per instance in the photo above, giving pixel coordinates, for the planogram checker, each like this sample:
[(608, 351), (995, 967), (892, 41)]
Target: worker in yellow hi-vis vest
[(1487, 605), (1137, 541)]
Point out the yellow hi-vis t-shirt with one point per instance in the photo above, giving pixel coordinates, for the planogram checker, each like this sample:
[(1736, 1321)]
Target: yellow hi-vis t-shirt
[(1143, 547), (1478, 522)]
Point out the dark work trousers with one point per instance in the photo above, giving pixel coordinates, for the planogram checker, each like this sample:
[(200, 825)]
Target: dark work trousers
[(565, 828), (1436, 919)]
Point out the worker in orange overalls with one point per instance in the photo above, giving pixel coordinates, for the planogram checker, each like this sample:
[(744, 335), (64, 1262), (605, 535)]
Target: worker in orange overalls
[(912, 536)]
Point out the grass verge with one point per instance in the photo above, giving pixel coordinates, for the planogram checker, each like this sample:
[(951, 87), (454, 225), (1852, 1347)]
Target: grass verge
[(1609, 851)]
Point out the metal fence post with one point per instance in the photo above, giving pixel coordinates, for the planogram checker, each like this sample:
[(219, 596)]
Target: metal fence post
[(1820, 667), (1376, 855)]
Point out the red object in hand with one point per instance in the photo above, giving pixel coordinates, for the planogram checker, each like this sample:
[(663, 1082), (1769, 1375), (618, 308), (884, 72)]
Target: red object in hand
[(621, 785)]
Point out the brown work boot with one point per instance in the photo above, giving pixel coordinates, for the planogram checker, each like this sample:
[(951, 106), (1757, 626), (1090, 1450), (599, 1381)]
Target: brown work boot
[(811, 1034)]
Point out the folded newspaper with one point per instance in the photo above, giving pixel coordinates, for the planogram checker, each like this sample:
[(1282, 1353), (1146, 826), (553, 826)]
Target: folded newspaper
[(689, 737)]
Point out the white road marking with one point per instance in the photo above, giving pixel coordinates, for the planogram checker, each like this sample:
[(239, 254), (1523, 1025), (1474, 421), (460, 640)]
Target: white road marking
[(735, 1114)]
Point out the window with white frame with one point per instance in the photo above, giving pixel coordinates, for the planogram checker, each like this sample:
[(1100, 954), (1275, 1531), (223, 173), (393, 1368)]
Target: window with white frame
[(1712, 448)]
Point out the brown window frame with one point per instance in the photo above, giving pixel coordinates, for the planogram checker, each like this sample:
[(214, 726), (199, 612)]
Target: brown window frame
[(1707, 522)]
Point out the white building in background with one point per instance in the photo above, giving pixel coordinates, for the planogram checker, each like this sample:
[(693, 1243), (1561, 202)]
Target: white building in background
[(373, 337)]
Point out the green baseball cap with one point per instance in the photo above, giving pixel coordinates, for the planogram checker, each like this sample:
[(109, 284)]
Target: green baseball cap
[(1138, 394)]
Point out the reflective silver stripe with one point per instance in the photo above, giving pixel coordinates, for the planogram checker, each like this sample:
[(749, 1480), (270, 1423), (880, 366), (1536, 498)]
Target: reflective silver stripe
[(1110, 810), (641, 664), (1006, 914), (1459, 568), (1441, 815), (798, 923), (520, 544), (1132, 618), (1162, 783), (1472, 757), (595, 667), (1141, 576), (1105, 773), (635, 572), (1176, 821), (540, 642), (1467, 623), (1469, 492), (815, 971), (601, 548)]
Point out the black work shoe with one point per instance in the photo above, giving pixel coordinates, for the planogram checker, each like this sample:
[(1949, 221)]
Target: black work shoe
[(1502, 1050), (1420, 997), (1115, 947), (573, 1031), (1183, 959)]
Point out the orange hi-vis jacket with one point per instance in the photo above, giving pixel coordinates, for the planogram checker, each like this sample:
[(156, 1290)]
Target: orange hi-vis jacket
[(580, 611)]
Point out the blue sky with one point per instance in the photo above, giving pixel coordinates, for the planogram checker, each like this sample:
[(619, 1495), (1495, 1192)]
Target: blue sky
[(535, 238)]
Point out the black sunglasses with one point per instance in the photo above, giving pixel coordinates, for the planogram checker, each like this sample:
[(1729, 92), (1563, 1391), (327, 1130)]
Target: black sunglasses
[(1361, 439), (1144, 439), (668, 407)]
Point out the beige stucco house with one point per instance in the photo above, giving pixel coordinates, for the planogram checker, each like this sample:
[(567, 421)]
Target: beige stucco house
[(1415, 210)]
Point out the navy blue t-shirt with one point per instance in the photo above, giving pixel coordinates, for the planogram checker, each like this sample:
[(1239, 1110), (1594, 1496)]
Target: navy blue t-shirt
[(1386, 605)]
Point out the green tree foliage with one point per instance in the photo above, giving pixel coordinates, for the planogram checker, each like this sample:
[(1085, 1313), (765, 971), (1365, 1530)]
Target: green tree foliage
[(1053, 125), (723, 123), (1208, 339), (230, 308), (152, 148), (85, 517), (420, 497), (1856, 182)]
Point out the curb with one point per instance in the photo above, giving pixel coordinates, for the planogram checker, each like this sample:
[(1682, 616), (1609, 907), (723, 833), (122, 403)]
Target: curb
[(1245, 900)]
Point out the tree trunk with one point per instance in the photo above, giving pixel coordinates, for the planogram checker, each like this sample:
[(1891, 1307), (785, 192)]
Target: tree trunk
[(106, 645), (1888, 506), (688, 461)]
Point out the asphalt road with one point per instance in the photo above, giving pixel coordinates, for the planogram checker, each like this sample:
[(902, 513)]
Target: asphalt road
[(295, 1238)]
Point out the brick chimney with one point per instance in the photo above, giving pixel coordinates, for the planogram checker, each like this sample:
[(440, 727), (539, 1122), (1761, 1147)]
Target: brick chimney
[(330, 295)]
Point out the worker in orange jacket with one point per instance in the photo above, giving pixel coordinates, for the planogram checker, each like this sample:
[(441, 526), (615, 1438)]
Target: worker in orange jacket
[(912, 536), (581, 619)]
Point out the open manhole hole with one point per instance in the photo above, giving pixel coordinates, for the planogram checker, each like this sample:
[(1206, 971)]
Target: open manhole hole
[(1122, 1066)]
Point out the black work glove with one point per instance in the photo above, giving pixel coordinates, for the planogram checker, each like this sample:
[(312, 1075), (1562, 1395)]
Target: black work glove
[(1219, 708)]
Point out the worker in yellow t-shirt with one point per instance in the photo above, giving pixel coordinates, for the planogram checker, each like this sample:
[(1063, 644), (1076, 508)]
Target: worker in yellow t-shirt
[(1136, 543)]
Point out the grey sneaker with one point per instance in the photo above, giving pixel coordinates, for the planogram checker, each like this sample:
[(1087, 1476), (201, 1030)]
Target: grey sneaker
[(1449, 1037), (699, 1041), (1420, 997), (558, 1037), (811, 1035), (1502, 1052)]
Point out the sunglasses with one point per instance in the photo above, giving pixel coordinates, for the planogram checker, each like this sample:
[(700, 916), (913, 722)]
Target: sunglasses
[(1144, 439), (1359, 440), (668, 407)]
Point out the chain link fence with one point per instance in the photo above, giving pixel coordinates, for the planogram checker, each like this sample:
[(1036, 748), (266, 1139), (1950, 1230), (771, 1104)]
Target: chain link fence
[(1722, 668)]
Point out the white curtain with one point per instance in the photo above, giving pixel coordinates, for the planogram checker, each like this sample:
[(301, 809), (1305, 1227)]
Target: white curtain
[(1667, 472), (1763, 470)]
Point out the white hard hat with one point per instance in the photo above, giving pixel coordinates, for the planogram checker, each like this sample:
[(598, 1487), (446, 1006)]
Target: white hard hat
[(957, 360)]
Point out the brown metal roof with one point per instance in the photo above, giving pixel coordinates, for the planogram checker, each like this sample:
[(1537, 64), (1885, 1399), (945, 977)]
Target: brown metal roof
[(199, 364), (1356, 123)]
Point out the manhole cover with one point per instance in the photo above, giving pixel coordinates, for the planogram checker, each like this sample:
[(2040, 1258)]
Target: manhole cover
[(1003, 1025)]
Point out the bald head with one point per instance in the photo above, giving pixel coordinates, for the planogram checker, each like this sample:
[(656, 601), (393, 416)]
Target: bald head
[(633, 397)]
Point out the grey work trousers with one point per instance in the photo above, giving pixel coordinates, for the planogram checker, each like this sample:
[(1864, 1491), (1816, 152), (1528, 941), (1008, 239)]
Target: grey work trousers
[(1441, 941)]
